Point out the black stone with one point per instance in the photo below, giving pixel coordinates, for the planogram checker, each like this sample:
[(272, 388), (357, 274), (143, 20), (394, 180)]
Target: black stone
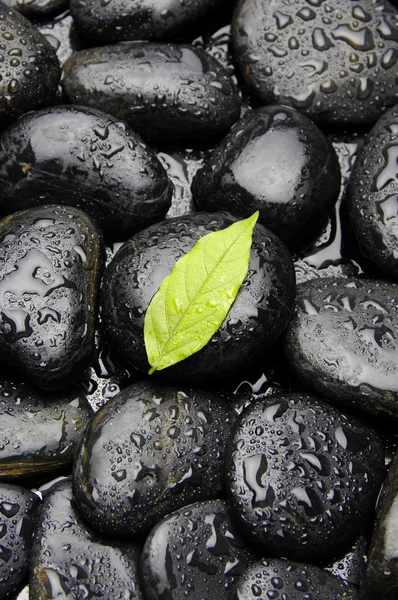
[(195, 553), (381, 576), (29, 70), (17, 521), (351, 566), (149, 451), (278, 578), (336, 61), (38, 9), (277, 161), (50, 268), (39, 432), (303, 478), (256, 319), (159, 89), (82, 157), (70, 559), (117, 20), (342, 342), (372, 194)]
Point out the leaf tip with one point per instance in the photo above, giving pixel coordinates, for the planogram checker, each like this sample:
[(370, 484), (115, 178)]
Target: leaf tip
[(255, 216)]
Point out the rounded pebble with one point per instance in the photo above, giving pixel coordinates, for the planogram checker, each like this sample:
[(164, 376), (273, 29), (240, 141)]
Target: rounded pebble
[(30, 70), (276, 579), (277, 161), (373, 194), (82, 157), (203, 553), (50, 268), (336, 62), (302, 477), (149, 451), (39, 432), (70, 559), (381, 577), (256, 319), (118, 21), (17, 522), (159, 89), (342, 342)]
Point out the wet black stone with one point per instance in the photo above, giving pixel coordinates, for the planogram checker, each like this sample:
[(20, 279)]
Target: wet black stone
[(194, 552), (50, 268), (334, 61), (372, 198), (278, 578), (39, 432), (277, 161), (30, 69), (118, 21), (38, 9), (82, 157), (70, 559), (351, 566), (381, 577), (149, 451), (17, 521), (342, 342), (257, 317), (303, 478), (159, 89)]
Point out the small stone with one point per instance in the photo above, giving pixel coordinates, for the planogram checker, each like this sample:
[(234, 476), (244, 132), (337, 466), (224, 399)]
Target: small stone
[(151, 450), (381, 576), (17, 522), (342, 342), (159, 89), (277, 578), (277, 161), (50, 267), (303, 477), (256, 319), (71, 560), (373, 194), (39, 432), (117, 21), (30, 70), (212, 556), (85, 158), (336, 62)]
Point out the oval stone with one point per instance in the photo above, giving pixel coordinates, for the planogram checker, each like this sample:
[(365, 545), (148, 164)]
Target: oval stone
[(17, 522), (70, 559), (39, 432), (373, 194), (149, 451), (159, 89), (50, 268), (302, 477), (117, 21), (381, 576), (342, 342), (212, 556), (277, 578), (256, 319), (277, 161), (38, 9), (336, 62), (30, 70), (82, 157)]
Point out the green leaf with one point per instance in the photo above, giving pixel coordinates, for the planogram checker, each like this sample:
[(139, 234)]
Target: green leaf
[(195, 298)]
